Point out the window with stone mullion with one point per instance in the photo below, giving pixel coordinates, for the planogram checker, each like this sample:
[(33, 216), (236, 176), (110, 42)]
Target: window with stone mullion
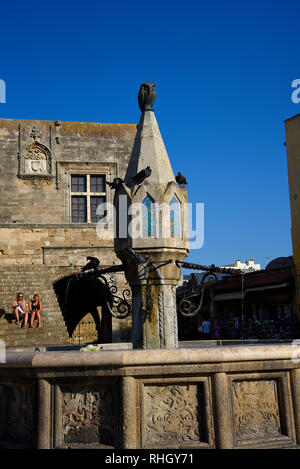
[(87, 192)]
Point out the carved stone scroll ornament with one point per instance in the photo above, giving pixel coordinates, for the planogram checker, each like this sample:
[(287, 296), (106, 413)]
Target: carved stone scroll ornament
[(173, 414)]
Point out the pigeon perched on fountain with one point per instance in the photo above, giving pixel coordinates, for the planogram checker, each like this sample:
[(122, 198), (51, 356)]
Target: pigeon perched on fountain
[(115, 183), (180, 179), (140, 177), (91, 265)]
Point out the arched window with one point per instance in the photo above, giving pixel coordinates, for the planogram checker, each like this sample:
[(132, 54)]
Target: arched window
[(148, 217), (175, 218)]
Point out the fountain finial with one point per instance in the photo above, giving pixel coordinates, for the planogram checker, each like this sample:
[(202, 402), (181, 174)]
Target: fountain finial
[(146, 96)]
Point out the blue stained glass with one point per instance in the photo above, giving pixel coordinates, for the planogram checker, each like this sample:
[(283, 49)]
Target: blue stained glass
[(148, 225), (175, 222)]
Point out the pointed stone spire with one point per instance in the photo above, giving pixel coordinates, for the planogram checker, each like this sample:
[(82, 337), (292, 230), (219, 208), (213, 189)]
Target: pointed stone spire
[(149, 150), (153, 280)]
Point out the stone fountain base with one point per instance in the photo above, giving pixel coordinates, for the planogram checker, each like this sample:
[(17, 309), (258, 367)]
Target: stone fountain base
[(214, 397)]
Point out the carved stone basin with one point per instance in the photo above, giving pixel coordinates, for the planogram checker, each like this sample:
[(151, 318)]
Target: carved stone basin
[(209, 397)]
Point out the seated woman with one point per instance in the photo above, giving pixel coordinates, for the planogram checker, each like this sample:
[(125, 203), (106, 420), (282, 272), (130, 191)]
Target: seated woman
[(19, 310), (35, 309)]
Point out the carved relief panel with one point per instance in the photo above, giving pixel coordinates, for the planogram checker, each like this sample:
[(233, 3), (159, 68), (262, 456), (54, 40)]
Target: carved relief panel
[(35, 157), (176, 414), (256, 409), (87, 416), (262, 410)]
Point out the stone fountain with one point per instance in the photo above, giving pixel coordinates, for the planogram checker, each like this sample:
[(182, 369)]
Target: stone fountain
[(157, 395)]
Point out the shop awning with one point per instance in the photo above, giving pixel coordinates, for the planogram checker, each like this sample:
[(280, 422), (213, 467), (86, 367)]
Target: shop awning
[(237, 295)]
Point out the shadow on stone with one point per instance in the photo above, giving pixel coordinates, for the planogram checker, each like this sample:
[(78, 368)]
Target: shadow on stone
[(79, 295)]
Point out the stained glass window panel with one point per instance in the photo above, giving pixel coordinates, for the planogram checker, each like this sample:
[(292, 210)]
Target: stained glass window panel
[(175, 222), (148, 217)]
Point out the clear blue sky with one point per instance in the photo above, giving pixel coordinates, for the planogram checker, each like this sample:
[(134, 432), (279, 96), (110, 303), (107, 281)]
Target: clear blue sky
[(223, 73)]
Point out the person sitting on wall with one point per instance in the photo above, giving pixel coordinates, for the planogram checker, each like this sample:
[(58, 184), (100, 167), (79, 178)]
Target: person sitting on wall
[(19, 310), (35, 310)]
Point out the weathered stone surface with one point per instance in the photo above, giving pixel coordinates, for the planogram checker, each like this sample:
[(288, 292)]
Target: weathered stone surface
[(44, 434), (150, 150), (173, 414), (256, 409), (18, 413), (88, 416), (83, 144), (223, 410), (215, 356), (36, 229), (155, 398), (295, 389), (154, 316)]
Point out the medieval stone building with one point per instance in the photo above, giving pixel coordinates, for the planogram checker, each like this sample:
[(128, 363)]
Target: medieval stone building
[(52, 179)]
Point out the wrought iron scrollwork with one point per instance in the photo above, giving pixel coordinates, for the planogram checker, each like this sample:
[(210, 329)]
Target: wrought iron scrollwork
[(118, 303), (190, 302), (187, 306), (118, 306)]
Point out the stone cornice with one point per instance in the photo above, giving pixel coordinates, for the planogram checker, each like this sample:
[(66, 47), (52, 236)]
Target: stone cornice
[(130, 358)]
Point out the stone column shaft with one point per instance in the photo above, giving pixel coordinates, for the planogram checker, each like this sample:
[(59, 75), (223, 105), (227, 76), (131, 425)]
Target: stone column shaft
[(154, 316), (129, 433), (44, 416), (222, 403), (295, 387)]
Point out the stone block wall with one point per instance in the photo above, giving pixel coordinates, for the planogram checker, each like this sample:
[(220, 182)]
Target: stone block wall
[(38, 194), (37, 159)]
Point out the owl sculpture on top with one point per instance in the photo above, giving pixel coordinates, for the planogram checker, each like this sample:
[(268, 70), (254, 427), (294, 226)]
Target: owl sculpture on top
[(146, 96)]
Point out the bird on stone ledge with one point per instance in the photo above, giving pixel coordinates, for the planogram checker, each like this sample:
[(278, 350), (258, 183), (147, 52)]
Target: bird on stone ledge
[(180, 179), (91, 265), (140, 177)]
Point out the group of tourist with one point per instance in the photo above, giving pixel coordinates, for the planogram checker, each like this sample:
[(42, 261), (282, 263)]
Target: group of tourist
[(34, 310), (280, 328)]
